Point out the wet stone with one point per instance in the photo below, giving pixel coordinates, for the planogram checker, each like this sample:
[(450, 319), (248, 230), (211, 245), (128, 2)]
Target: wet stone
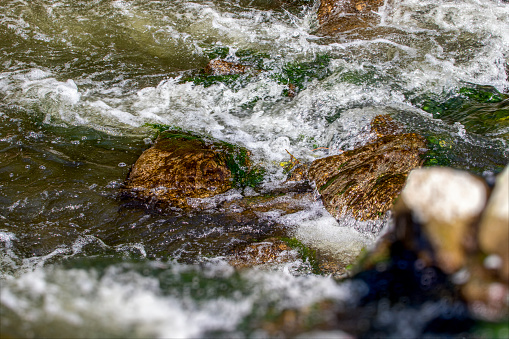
[(365, 181), (337, 16), (183, 165), (271, 251), (446, 203), (494, 227), (222, 67), (442, 225)]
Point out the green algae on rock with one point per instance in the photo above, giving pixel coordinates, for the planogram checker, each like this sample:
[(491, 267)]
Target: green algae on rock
[(365, 181), (296, 75), (182, 165), (481, 109)]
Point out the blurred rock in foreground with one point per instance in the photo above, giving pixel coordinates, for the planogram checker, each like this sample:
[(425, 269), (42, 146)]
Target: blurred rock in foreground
[(445, 240)]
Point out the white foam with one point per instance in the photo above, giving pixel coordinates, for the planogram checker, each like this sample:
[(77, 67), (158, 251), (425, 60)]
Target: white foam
[(316, 228), (123, 302)]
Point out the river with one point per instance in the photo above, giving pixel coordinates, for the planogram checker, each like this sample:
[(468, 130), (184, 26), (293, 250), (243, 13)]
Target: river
[(79, 81)]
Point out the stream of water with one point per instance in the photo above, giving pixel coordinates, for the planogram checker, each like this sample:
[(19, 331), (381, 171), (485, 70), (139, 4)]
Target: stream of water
[(80, 79)]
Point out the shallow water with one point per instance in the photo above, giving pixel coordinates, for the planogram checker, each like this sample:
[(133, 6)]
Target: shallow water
[(78, 81)]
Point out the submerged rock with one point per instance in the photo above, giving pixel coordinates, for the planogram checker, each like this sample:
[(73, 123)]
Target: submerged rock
[(222, 67), (366, 180), (343, 15), (269, 252), (183, 165)]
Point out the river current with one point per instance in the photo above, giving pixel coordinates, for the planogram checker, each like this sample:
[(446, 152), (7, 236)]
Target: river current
[(79, 81)]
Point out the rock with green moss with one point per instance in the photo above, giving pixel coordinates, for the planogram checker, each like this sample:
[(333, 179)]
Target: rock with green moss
[(365, 181), (183, 165), (481, 109), (296, 75)]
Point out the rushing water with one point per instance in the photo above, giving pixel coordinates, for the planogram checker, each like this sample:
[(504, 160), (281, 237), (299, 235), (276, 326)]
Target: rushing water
[(79, 79)]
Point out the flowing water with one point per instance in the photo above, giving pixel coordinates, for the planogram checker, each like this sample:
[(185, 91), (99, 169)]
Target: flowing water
[(80, 79)]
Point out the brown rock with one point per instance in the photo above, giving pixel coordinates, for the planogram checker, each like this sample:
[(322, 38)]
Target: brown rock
[(222, 67), (366, 180), (383, 125), (182, 165), (343, 15), (269, 252)]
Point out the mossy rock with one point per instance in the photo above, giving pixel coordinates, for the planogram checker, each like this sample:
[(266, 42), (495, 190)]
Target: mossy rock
[(297, 75), (481, 109), (182, 165), (365, 181)]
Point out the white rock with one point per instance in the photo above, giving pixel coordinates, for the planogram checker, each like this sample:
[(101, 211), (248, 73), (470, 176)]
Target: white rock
[(443, 194)]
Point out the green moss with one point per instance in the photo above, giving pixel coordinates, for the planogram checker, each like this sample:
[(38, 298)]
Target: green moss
[(300, 73), (243, 173), (361, 77), (209, 80), (251, 104), (328, 183), (253, 58), (159, 128), (483, 94), (439, 151), (484, 329), (481, 109), (306, 253)]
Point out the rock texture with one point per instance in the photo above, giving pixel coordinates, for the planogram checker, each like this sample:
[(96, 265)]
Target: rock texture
[(182, 165), (366, 180), (269, 252), (222, 67), (343, 15)]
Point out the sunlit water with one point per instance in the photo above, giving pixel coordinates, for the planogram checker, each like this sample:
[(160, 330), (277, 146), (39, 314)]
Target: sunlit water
[(79, 79)]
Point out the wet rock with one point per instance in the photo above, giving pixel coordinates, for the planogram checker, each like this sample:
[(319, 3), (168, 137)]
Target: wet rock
[(304, 322), (222, 67), (494, 227), (183, 165), (383, 125), (343, 15), (447, 203), (271, 251), (366, 180), (441, 226)]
